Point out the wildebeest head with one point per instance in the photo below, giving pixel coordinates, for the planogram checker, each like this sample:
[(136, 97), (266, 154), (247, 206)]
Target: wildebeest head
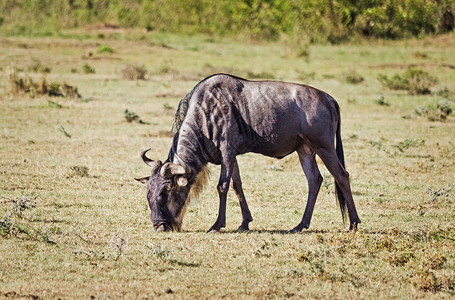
[(167, 192)]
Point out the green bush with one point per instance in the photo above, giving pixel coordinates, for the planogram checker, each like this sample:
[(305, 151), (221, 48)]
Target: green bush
[(436, 112), (415, 81), (335, 21)]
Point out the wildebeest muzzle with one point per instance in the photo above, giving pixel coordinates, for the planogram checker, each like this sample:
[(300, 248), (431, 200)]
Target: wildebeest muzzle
[(161, 225)]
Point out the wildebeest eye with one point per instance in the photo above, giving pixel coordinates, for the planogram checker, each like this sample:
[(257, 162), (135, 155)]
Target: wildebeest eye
[(168, 187)]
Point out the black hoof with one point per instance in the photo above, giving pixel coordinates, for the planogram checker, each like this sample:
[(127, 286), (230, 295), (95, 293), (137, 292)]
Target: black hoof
[(243, 229), (215, 229), (353, 227), (296, 230)]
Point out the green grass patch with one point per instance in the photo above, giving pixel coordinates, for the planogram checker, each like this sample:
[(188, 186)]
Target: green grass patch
[(105, 49)]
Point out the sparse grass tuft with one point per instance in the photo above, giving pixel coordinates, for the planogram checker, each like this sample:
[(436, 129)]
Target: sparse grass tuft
[(105, 49), (87, 69), (131, 116), (39, 68), (353, 77), (25, 85), (426, 280), (440, 194), (158, 252), (381, 101), (400, 258), (9, 224), (408, 143), (81, 171), (119, 245), (434, 261), (134, 72)]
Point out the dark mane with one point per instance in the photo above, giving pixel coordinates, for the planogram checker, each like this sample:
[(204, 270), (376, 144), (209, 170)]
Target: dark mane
[(182, 109), (202, 175), (180, 114)]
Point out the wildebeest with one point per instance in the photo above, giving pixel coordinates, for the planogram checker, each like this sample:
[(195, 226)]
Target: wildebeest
[(224, 116)]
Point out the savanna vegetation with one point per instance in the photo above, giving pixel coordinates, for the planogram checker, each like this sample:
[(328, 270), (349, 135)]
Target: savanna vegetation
[(80, 103), (334, 21)]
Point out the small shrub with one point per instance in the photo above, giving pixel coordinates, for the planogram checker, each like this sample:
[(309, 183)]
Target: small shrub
[(445, 107), (386, 243), (39, 68), (415, 81), (427, 281), (420, 82), (444, 93), (435, 261), (438, 112), (81, 171), (105, 48), (381, 101), (87, 69), (130, 116), (353, 77), (68, 91), (448, 282), (400, 258), (420, 55), (134, 72)]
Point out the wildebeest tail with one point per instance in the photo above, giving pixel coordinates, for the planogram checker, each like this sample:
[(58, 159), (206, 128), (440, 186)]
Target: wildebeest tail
[(340, 154)]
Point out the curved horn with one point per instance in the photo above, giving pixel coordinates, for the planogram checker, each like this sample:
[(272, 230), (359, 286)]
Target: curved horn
[(153, 164), (170, 169)]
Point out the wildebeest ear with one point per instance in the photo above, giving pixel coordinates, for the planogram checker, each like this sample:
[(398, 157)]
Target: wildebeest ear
[(143, 179), (182, 181), (170, 169)]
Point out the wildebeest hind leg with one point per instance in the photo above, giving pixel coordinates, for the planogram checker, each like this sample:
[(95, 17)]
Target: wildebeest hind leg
[(314, 178), (236, 184), (329, 157)]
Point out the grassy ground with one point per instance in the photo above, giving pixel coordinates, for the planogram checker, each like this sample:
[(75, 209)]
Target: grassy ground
[(74, 223)]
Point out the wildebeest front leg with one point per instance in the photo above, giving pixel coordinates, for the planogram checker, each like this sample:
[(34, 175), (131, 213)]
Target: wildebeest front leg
[(314, 178), (237, 186), (227, 167)]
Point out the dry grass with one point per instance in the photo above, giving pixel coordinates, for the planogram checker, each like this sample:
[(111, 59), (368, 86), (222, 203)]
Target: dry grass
[(75, 224), (20, 85)]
